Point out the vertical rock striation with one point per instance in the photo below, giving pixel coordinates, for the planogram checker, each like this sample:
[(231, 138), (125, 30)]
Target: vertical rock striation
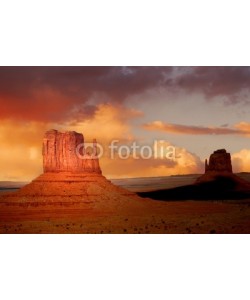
[(65, 152)]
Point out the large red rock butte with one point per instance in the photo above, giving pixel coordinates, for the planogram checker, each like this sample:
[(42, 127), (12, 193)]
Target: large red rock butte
[(72, 176), (65, 152)]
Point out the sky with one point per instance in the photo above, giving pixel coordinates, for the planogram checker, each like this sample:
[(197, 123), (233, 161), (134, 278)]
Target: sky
[(196, 110)]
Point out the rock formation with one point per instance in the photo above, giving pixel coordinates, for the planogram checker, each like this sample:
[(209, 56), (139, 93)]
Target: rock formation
[(219, 173), (219, 165), (72, 177), (219, 161), (65, 152), (218, 183)]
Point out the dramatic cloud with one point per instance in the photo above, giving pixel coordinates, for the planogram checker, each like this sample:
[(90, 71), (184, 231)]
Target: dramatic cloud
[(108, 123), (100, 102), (114, 123), (68, 93), (72, 93), (21, 141), (241, 128), (241, 161), (231, 82), (184, 163)]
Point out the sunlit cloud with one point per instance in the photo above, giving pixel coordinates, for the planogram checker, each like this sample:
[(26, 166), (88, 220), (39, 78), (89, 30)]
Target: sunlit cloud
[(241, 161), (21, 142), (108, 122), (110, 103), (184, 162), (241, 128)]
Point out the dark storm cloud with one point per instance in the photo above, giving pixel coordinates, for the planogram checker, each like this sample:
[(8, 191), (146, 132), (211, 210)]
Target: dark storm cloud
[(230, 82), (52, 93), (62, 93)]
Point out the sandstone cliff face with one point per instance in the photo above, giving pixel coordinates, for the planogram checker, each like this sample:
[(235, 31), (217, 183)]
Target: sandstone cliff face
[(219, 161), (60, 153), (73, 183)]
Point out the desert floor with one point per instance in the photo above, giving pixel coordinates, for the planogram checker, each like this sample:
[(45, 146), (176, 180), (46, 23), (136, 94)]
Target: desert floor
[(131, 215), (156, 218)]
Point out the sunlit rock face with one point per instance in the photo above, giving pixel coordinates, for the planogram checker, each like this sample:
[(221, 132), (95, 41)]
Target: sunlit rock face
[(65, 152), (219, 161), (72, 179)]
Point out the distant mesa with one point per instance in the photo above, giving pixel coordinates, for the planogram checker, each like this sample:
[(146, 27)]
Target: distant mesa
[(219, 165), (217, 183), (219, 161)]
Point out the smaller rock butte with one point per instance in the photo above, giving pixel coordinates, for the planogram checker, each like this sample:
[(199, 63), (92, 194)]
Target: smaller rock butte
[(219, 161), (220, 168), (219, 165)]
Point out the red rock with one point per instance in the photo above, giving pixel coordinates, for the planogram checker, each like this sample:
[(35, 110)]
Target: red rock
[(60, 153), (72, 180)]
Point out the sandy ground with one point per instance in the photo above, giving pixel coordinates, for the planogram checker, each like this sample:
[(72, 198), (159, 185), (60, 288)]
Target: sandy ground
[(156, 218), (106, 208)]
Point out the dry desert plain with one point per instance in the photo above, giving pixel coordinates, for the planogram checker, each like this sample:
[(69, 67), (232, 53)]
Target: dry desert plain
[(112, 209)]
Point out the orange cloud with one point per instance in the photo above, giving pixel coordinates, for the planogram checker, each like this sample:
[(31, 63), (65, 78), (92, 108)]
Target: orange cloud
[(21, 142), (241, 161), (114, 122), (56, 94), (20, 151), (45, 104), (21, 155), (184, 163), (241, 128), (108, 122)]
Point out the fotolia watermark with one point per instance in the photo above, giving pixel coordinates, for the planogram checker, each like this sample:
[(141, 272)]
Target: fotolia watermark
[(89, 150), (159, 149)]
